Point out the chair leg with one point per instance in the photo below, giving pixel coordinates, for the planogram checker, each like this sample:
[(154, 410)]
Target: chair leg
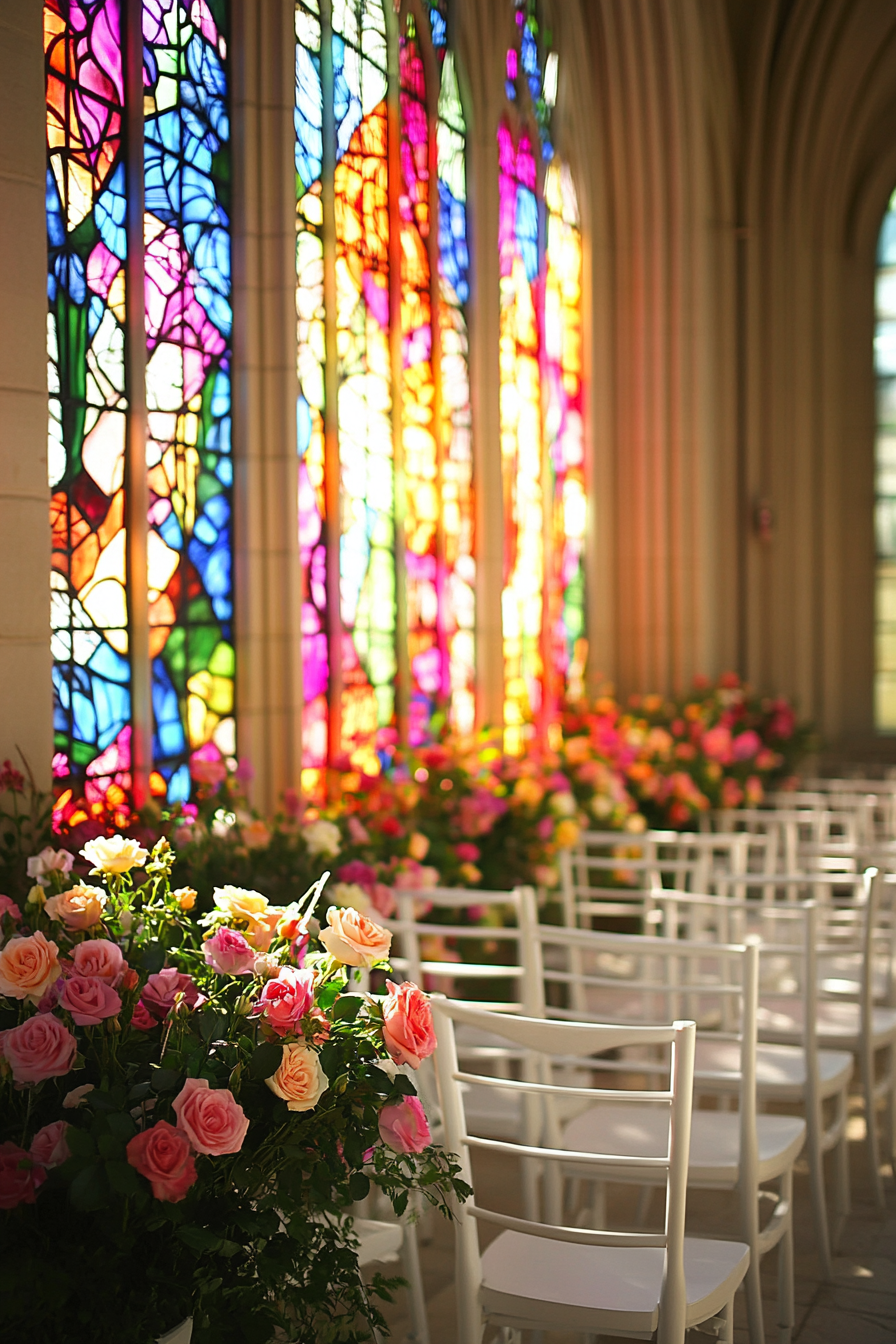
[(819, 1203), (727, 1335), (841, 1175), (785, 1265), (866, 1062), (411, 1263), (753, 1289)]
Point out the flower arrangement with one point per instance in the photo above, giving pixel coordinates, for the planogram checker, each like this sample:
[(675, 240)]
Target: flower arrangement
[(193, 1102), (721, 747)]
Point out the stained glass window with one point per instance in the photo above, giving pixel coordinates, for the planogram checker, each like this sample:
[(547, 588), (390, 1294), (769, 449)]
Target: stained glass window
[(885, 456), (540, 256), (181, 112), (385, 471)]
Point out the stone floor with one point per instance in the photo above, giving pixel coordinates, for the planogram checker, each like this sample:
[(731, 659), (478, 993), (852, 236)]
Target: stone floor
[(859, 1307)]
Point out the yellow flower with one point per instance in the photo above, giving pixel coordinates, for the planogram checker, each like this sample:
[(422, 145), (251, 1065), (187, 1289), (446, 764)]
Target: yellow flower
[(185, 897), (528, 792), (566, 834)]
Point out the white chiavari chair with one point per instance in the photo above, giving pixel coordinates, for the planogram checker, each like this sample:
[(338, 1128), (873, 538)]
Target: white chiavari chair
[(547, 1275), (730, 1150)]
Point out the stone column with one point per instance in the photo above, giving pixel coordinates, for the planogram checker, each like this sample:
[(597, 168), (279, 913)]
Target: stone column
[(268, 598), (25, 686)]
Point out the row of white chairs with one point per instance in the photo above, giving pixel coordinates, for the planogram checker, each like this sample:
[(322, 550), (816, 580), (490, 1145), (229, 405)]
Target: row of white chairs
[(791, 1065)]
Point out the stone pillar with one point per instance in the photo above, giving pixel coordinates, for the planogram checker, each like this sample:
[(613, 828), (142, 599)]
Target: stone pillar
[(25, 686), (268, 599)]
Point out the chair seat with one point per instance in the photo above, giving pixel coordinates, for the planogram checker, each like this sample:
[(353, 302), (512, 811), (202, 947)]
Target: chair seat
[(379, 1240), (539, 1283), (780, 1069), (838, 1024), (633, 1130)]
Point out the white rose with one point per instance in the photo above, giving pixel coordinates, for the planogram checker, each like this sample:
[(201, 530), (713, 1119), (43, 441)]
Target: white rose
[(562, 804), (114, 854), (323, 837), (601, 806)]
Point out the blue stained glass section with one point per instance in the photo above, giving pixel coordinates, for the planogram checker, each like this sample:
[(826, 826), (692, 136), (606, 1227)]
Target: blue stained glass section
[(110, 213), (309, 140), (453, 242)]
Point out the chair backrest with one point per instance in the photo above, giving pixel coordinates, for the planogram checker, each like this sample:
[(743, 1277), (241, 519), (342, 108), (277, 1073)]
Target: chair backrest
[(419, 941), (610, 874), (548, 1041)]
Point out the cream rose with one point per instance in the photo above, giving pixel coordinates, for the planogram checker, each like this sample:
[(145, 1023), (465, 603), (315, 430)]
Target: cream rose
[(79, 908), (252, 910), (354, 939), (351, 895), (300, 1080), (322, 837), (114, 854), (28, 967)]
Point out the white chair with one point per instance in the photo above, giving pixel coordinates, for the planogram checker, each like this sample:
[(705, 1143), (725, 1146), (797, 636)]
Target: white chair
[(729, 1150), (549, 1276), (415, 939), (799, 1075), (610, 875), (390, 1241), (851, 1019)]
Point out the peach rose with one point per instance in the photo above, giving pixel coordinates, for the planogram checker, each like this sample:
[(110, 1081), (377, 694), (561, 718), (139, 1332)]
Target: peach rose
[(100, 958), (49, 1147), (28, 967), (353, 939), (403, 1126), (38, 1048), (300, 1080), (407, 1024), (162, 1154), (252, 910), (72, 1100), (114, 854), (211, 1117), (79, 908), (19, 1176)]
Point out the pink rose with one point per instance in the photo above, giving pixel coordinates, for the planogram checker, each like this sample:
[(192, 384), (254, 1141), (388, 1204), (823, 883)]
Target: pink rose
[(19, 1177), (466, 852), (407, 1024), (38, 1048), (141, 1019), (383, 899), (403, 1126), (162, 1154), (717, 744), (211, 1117), (162, 989), (746, 745), (28, 967), (285, 1000), (732, 793), (89, 1000), (228, 953), (101, 959), (49, 1147), (9, 907)]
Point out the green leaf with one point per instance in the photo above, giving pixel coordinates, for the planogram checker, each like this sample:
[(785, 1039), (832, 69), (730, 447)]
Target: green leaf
[(123, 1178), (199, 1239), (90, 1190), (358, 1186), (330, 993), (347, 1007), (122, 1126), (139, 1091), (211, 1026), (80, 1144), (164, 1080), (109, 1147), (404, 1085), (266, 1060), (153, 957)]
